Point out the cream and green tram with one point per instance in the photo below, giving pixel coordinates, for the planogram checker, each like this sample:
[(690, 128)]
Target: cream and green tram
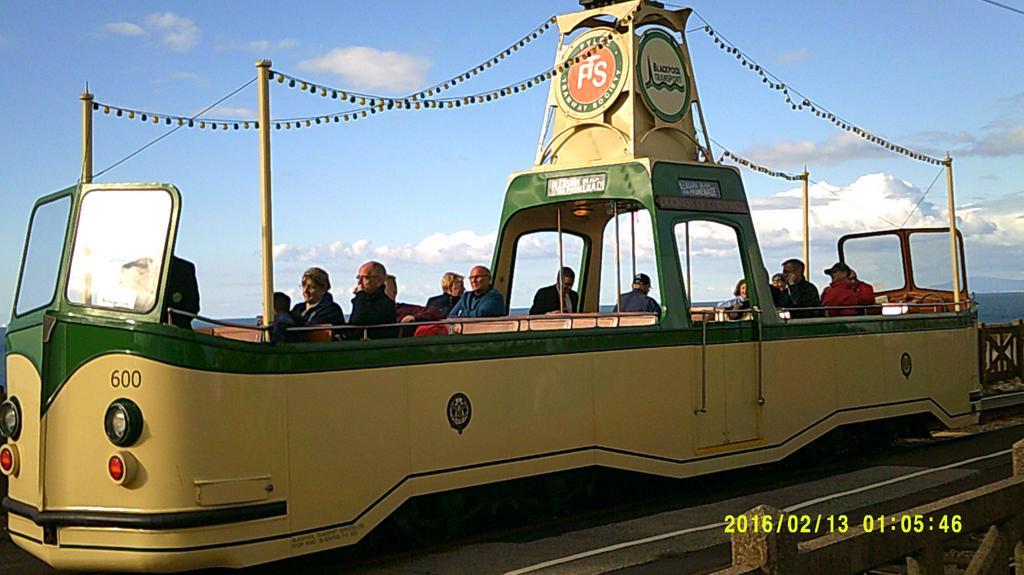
[(132, 443)]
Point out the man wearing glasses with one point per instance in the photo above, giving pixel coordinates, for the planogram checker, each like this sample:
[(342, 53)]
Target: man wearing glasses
[(371, 305)]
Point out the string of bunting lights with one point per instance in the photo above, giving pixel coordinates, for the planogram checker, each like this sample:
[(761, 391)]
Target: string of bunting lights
[(752, 166), (372, 104), (802, 103), (171, 120), (486, 64)]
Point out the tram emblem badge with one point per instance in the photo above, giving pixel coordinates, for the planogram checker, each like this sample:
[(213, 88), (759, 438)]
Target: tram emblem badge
[(460, 411), (906, 365), (661, 75), (591, 85)]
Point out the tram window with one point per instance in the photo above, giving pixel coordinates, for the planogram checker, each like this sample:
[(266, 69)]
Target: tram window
[(119, 249), (877, 259), (929, 256), (536, 265), (714, 262), (42, 255), (634, 229)]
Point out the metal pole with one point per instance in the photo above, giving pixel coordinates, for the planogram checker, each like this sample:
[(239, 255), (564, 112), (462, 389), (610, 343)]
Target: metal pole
[(807, 238), (266, 213), (632, 236), (86, 99), (618, 259), (561, 265), (689, 293), (953, 259)]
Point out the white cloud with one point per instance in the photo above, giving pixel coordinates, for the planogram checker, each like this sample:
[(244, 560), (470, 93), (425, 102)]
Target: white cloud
[(836, 149), (176, 32), (368, 68), (793, 56), (123, 29)]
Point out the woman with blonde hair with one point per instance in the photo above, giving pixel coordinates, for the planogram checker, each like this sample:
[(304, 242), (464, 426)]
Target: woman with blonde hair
[(452, 287)]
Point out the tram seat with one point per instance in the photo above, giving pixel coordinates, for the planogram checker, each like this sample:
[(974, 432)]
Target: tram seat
[(497, 326), (235, 333), (584, 322), (628, 319), (549, 323), (317, 335)]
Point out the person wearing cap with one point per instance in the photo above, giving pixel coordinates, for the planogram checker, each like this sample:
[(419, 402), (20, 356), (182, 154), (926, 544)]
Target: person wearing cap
[(638, 300), (844, 293), (546, 298), (798, 292)]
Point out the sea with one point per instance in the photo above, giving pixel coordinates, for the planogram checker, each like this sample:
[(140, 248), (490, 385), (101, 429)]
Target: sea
[(992, 308)]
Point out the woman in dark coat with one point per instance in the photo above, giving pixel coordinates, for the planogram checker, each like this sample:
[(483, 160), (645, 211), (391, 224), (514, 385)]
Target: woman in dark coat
[(318, 307)]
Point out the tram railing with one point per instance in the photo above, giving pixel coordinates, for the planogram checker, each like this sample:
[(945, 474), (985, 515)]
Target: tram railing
[(918, 535)]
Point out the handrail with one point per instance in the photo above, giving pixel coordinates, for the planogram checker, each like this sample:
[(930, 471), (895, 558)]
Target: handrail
[(172, 310), (876, 307)]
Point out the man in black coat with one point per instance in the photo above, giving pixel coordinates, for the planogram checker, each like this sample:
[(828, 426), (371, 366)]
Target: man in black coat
[(546, 299), (371, 305), (798, 293)]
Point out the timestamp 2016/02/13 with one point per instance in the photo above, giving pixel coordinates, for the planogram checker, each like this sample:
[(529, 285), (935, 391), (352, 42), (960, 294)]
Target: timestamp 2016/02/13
[(805, 523)]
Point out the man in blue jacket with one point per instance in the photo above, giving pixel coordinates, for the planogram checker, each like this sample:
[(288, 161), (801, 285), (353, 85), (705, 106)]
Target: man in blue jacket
[(483, 300)]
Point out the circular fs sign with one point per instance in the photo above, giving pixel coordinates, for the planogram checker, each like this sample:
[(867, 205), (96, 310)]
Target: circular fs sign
[(590, 86), (661, 75)]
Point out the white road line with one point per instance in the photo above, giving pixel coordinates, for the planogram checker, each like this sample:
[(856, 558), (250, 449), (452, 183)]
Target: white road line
[(790, 509)]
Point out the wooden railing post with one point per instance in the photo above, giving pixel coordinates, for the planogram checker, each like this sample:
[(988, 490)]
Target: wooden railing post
[(775, 553), (928, 561), (1019, 337)]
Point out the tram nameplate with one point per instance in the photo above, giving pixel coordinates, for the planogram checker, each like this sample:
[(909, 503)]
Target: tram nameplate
[(699, 189), (572, 185)]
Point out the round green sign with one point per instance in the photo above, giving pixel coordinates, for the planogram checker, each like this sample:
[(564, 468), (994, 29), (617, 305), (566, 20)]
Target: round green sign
[(590, 86), (661, 75)]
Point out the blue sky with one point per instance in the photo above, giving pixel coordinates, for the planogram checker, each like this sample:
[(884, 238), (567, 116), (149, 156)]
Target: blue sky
[(427, 186)]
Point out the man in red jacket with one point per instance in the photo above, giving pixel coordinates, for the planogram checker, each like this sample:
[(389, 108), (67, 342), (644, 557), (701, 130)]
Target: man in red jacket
[(845, 292)]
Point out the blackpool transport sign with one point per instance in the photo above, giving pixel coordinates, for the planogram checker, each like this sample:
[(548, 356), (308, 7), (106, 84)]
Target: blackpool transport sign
[(661, 75), (591, 86)]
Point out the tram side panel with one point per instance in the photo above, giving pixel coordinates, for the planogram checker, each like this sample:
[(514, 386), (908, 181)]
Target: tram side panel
[(23, 382), (211, 441)]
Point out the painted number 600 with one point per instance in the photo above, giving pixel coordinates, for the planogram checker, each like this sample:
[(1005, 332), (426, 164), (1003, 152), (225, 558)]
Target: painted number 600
[(125, 378)]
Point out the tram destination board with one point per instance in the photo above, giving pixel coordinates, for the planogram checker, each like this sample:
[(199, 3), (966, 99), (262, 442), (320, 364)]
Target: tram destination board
[(699, 189), (573, 185)]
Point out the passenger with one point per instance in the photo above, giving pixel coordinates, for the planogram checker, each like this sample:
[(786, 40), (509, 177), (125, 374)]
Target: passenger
[(865, 293), (452, 289), (638, 300), (408, 312), (371, 305), (183, 292), (546, 299), (840, 292), (483, 300), (283, 319), (738, 302), (778, 282), (798, 292), (318, 307)]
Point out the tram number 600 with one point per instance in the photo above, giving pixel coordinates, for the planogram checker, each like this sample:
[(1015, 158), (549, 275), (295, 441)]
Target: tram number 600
[(125, 378)]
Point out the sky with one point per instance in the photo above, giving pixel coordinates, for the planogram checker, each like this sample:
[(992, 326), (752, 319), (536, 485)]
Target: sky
[(422, 191)]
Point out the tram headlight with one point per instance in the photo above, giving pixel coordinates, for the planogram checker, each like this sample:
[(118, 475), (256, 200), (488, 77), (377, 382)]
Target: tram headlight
[(10, 419), (123, 422)]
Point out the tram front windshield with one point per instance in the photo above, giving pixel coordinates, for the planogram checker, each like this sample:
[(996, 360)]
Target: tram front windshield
[(119, 249)]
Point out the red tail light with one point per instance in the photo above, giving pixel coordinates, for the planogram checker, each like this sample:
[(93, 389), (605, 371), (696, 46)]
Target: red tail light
[(9, 459), (115, 466)]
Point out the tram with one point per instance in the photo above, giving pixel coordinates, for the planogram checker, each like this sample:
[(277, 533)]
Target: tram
[(136, 443)]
